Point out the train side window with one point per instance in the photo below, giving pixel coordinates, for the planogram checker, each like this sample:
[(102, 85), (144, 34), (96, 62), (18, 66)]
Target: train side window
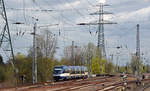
[(69, 71), (82, 71), (73, 71), (66, 71), (78, 71)]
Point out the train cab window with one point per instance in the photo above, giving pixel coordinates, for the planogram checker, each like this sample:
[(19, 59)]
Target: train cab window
[(57, 70)]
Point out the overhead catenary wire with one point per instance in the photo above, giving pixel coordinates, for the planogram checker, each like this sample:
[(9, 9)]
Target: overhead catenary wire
[(66, 38), (64, 30), (24, 12), (47, 12), (78, 12), (37, 10), (68, 21), (90, 3)]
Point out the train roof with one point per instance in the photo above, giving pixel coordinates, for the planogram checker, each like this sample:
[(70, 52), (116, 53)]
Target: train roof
[(77, 67)]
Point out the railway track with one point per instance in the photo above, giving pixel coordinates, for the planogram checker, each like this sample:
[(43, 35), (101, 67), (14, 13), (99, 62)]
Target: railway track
[(90, 84), (53, 84), (82, 85), (120, 85), (145, 86)]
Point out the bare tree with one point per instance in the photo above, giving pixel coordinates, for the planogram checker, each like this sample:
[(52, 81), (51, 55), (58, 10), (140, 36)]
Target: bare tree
[(46, 44), (77, 54)]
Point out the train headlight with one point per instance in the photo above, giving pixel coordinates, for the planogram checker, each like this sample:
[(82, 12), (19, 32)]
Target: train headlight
[(62, 75)]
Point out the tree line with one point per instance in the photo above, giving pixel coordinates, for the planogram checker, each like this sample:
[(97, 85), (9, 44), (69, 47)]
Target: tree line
[(88, 55)]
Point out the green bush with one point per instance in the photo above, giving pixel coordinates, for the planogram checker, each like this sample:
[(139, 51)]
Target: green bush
[(2, 74)]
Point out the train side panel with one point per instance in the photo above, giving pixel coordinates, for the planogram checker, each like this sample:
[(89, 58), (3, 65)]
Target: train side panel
[(69, 72)]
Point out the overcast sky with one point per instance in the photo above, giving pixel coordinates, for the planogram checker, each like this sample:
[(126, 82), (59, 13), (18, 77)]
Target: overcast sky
[(68, 13)]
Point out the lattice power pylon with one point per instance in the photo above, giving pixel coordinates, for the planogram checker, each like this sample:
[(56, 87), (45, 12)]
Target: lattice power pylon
[(5, 36), (101, 22), (101, 37)]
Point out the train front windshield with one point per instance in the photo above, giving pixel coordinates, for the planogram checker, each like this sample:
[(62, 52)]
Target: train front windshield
[(57, 70)]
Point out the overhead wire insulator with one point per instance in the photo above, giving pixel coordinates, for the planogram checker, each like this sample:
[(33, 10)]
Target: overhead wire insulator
[(90, 30), (59, 32), (96, 33)]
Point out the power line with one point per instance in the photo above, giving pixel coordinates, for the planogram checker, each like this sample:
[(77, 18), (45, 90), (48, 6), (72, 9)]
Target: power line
[(90, 3), (69, 22), (74, 9), (61, 14), (24, 12)]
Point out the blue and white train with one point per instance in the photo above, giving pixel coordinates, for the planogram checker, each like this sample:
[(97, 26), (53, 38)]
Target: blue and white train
[(69, 72)]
